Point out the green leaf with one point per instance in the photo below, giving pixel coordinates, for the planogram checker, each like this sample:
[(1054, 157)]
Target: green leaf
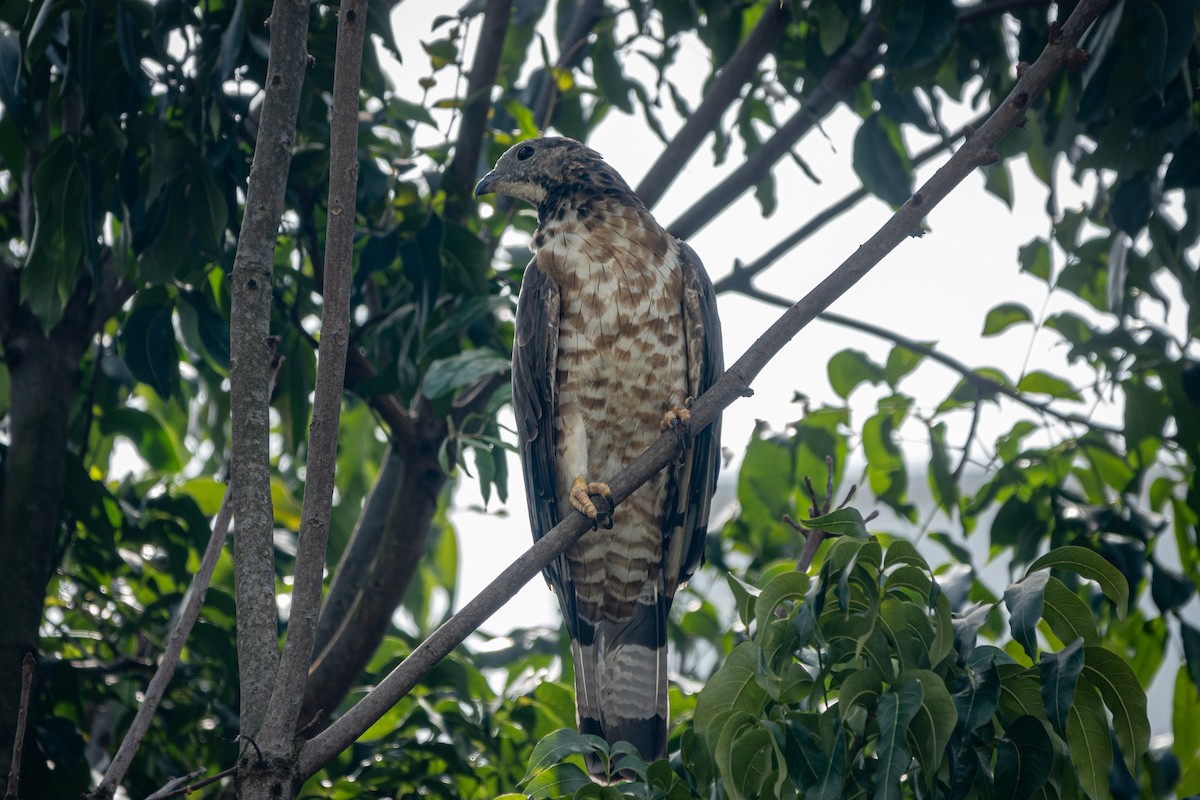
[(998, 182), (922, 30), (881, 160), (843, 522), (1183, 172), (832, 25), (901, 361), (744, 596), (1067, 615), (734, 687), (744, 754), (896, 711), (153, 442), (862, 686), (447, 375), (933, 724), (1186, 746), (1039, 382), (1004, 316), (978, 700), (832, 777), (1092, 566), (788, 586), (1024, 758), (1060, 674), (149, 349), (559, 780), (1034, 258), (1131, 204), (557, 746), (1125, 698), (1088, 743), (1024, 601), (848, 368)]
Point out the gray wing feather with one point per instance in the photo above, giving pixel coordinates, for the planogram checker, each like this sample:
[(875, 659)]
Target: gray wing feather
[(535, 357), (690, 486)]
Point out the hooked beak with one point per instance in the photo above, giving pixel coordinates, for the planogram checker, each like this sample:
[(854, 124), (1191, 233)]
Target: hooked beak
[(485, 185)]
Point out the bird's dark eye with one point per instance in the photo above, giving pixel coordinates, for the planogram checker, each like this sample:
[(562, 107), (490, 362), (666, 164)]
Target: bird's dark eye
[(524, 153)]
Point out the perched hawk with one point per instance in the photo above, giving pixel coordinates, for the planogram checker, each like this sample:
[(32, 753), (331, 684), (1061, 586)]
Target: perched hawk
[(616, 333)]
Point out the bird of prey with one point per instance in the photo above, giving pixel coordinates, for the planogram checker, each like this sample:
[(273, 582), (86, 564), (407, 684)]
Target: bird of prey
[(616, 334)]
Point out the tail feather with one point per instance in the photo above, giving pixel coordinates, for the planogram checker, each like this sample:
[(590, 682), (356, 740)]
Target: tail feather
[(621, 678)]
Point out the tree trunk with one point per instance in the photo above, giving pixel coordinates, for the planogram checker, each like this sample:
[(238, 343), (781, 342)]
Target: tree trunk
[(42, 378)]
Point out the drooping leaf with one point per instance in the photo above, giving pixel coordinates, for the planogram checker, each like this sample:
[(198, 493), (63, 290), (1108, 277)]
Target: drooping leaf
[(881, 160), (1092, 566), (1125, 698), (896, 711), (1060, 674), (1067, 615), (1025, 600), (933, 724), (1024, 758), (1088, 743)]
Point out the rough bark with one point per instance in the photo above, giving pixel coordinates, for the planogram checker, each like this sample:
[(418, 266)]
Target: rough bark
[(251, 284), (288, 694)]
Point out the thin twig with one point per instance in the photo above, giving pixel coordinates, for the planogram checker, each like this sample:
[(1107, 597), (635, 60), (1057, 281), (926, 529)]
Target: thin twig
[(283, 712), (28, 664), (1059, 53), (982, 383), (186, 790), (168, 789)]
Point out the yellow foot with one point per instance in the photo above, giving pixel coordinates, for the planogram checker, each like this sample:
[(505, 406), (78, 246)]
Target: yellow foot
[(593, 500), (679, 419)]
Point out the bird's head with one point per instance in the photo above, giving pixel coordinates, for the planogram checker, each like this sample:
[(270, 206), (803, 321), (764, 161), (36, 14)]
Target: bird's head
[(553, 166)]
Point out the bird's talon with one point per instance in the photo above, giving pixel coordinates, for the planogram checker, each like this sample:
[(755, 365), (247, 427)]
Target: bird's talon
[(593, 500), (679, 420)]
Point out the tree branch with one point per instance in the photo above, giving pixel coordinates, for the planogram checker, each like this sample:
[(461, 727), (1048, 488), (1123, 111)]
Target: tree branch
[(847, 72), (724, 90), (981, 383), (569, 54), (740, 278), (464, 168), (251, 286), (1059, 53), (288, 695), (28, 664)]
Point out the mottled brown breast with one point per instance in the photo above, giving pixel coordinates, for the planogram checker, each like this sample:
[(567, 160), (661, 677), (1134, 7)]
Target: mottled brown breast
[(621, 364)]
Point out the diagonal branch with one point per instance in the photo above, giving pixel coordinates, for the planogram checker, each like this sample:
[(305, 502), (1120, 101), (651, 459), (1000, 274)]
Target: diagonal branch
[(851, 68), (280, 725), (724, 90), (1059, 53), (739, 280), (981, 383)]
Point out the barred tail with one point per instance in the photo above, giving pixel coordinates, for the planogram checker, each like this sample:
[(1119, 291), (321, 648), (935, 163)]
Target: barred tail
[(621, 678)]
